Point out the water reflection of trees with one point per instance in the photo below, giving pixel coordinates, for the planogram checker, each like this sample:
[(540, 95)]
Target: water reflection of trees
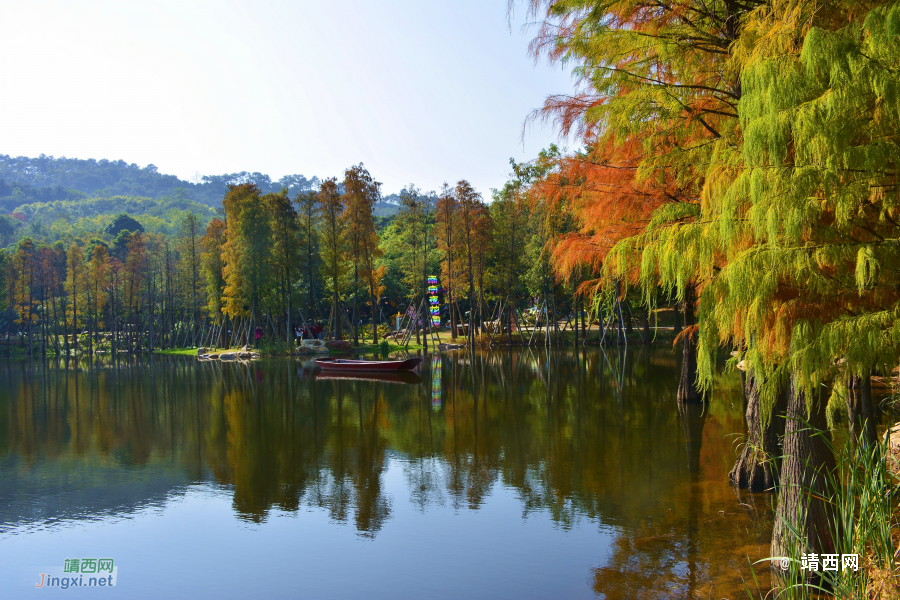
[(580, 435)]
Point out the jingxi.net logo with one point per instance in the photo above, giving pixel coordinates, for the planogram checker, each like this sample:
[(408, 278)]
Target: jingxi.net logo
[(80, 572)]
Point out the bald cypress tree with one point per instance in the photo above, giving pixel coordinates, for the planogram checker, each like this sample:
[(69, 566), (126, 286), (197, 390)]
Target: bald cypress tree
[(812, 286), (360, 195), (784, 220), (333, 240)]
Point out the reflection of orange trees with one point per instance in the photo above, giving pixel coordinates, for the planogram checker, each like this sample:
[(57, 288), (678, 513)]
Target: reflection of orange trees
[(355, 454), (73, 414), (668, 555), (264, 461), (576, 436), (323, 443), (666, 552)]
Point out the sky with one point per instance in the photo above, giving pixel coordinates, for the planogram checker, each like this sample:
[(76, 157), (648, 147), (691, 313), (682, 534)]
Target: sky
[(421, 92)]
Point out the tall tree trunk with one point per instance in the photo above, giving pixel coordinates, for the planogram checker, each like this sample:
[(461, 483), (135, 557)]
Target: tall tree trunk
[(6, 335), (802, 491), (91, 314), (629, 317), (758, 463), (621, 338), (555, 317), (337, 317), (115, 318), (471, 332), (355, 305), (55, 326), (584, 319), (861, 410), (374, 305), (290, 309), (452, 306), (645, 325), (151, 300), (417, 318), (311, 291), (676, 312), (75, 316), (687, 385), (31, 311), (574, 308)]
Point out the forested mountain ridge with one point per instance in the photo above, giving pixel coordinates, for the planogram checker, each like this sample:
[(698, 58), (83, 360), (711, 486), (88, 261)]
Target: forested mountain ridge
[(14, 194), (116, 177), (25, 180)]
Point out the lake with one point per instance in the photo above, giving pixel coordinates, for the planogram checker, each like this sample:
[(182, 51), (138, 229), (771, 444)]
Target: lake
[(506, 474)]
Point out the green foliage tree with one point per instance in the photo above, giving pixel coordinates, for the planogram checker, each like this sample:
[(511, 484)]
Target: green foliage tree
[(213, 265), (189, 263), (473, 220), (285, 251), (24, 269), (308, 228), (247, 252), (124, 222), (359, 198), (76, 288), (333, 245)]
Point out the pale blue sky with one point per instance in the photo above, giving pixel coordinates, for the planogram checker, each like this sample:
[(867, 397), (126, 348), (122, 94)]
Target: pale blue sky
[(420, 91)]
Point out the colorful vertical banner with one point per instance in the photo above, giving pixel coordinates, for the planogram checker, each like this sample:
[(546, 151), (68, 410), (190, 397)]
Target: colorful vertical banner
[(434, 302)]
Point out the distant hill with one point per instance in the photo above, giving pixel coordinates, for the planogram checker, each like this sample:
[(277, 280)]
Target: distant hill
[(16, 194), (45, 179), (116, 177), (388, 206)]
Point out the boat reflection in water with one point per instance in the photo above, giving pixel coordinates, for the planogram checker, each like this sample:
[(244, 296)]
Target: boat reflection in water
[(536, 474), (380, 366), (373, 376)]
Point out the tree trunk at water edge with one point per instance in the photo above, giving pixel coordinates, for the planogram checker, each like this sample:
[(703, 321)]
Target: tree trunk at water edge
[(757, 464), (687, 385), (861, 411), (806, 464)]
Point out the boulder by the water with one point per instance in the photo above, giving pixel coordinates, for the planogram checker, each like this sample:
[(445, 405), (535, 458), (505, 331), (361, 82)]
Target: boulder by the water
[(211, 356), (245, 356), (201, 351), (228, 356), (339, 345)]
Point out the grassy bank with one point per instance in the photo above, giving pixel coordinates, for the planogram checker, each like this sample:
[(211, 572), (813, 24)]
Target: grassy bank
[(659, 337), (376, 349), (283, 351), (862, 498), (178, 352)]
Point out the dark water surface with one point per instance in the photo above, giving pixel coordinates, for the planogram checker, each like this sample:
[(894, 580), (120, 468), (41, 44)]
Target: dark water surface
[(512, 474)]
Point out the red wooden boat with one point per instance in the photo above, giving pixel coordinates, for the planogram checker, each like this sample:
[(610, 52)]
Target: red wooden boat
[(347, 365)]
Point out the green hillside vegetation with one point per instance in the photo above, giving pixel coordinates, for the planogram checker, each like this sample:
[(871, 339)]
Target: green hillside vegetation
[(117, 178), (132, 273), (81, 219), (16, 194), (50, 199)]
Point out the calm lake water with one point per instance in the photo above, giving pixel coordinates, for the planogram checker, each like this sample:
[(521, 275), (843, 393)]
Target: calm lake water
[(512, 474)]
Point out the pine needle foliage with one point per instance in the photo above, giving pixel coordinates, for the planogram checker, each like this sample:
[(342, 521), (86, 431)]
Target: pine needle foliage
[(809, 226)]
